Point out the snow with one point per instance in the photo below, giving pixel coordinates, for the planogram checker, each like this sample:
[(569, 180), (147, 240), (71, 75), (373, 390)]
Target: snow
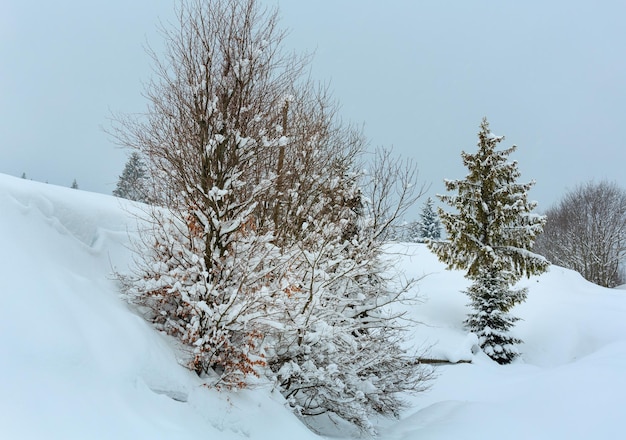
[(569, 382), (76, 362)]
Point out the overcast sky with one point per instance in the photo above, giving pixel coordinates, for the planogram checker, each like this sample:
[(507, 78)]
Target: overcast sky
[(550, 76)]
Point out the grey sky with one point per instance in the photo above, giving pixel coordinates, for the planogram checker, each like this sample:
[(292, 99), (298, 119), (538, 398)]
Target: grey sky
[(550, 76)]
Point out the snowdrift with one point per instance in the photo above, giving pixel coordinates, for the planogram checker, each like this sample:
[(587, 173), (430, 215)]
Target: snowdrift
[(76, 362)]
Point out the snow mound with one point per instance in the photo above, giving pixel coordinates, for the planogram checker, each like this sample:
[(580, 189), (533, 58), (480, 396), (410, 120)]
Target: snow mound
[(564, 318), (568, 383), (75, 362)]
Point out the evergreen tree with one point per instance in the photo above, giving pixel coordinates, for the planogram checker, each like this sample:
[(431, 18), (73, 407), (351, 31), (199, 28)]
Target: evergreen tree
[(429, 225), (132, 183), (489, 235), (74, 184)]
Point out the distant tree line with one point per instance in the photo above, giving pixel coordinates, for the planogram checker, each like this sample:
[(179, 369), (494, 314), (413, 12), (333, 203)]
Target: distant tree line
[(74, 184)]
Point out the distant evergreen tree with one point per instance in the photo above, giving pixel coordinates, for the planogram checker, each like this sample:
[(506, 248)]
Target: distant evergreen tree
[(74, 185), (132, 183), (429, 225), (489, 235), (23, 175)]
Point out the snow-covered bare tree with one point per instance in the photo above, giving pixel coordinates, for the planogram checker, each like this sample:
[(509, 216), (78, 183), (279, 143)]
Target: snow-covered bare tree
[(489, 235), (429, 224), (586, 232), (412, 232), (390, 190), (215, 110), (264, 255), (341, 351), (133, 184)]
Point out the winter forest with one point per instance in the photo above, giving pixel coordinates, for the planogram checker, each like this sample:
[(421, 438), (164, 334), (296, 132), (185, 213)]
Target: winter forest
[(263, 257)]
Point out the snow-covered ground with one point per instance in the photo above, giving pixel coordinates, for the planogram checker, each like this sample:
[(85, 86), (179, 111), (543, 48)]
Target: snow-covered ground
[(76, 363)]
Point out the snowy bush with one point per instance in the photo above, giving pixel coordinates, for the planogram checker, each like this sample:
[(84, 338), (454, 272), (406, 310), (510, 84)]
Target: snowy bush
[(220, 318), (266, 256), (342, 351)]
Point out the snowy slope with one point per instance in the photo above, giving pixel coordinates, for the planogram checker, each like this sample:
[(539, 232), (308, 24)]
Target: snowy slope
[(569, 384), (76, 363)]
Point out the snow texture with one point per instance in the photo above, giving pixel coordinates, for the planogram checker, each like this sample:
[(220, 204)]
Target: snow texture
[(77, 363)]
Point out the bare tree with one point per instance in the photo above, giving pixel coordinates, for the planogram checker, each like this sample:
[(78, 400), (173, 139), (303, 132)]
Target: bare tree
[(262, 239), (391, 188), (586, 232), (316, 152), (214, 122)]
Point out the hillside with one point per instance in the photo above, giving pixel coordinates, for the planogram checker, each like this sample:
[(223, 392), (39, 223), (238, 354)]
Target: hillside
[(76, 362)]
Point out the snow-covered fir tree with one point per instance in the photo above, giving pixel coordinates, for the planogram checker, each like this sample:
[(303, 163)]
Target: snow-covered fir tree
[(490, 234), (132, 184), (74, 184), (429, 224)]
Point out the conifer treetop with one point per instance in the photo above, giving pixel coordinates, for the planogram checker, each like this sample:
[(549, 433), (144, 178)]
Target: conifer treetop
[(493, 226), (429, 224)]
